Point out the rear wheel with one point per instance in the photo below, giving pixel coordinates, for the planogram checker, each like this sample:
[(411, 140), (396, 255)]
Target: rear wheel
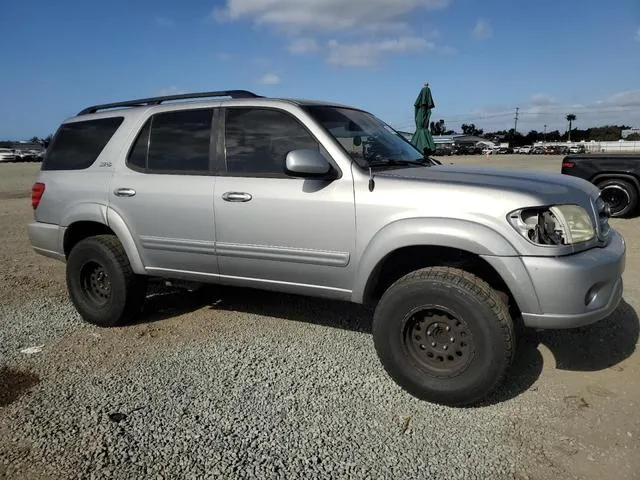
[(444, 335), (101, 283), (621, 196)]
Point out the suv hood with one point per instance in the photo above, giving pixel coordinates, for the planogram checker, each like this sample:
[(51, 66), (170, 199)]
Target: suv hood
[(541, 185)]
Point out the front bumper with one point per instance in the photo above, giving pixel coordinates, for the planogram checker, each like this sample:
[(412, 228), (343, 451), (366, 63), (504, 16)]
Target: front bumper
[(577, 290)]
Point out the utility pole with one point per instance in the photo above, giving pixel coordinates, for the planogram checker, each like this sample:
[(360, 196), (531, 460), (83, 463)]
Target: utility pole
[(544, 137), (515, 128)]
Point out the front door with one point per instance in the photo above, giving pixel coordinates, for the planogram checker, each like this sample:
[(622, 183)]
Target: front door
[(273, 230), (164, 192)]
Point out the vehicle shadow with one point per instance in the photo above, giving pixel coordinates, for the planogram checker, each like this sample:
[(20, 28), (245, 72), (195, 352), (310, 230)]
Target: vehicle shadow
[(299, 308), (595, 347), (164, 302)]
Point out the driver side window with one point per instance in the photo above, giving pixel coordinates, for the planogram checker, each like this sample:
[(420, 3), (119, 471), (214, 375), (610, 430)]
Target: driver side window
[(257, 141)]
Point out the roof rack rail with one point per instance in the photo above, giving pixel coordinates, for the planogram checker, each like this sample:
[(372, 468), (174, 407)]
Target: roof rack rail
[(159, 100)]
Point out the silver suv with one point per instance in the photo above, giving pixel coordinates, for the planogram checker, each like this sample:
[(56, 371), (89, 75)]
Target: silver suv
[(325, 200)]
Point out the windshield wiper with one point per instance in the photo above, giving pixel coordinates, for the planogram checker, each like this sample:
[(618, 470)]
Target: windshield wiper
[(392, 162)]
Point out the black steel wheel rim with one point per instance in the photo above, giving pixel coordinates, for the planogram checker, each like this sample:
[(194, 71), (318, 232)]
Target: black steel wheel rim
[(616, 196), (438, 341), (95, 283)]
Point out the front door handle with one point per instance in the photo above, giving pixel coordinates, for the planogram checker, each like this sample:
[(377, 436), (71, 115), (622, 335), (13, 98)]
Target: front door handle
[(236, 197), (124, 192)]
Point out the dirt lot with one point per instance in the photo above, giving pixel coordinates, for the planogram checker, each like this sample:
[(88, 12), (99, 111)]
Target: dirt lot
[(259, 385)]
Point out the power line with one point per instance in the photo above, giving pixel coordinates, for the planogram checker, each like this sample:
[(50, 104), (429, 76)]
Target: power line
[(590, 114)]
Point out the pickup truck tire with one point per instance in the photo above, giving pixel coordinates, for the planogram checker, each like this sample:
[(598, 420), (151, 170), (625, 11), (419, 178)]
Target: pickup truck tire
[(101, 283), (621, 196), (444, 335)]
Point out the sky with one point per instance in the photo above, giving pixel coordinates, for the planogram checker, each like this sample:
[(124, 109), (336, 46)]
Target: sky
[(482, 59)]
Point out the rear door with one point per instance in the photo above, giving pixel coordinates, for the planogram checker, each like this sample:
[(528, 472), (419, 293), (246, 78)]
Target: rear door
[(164, 192)]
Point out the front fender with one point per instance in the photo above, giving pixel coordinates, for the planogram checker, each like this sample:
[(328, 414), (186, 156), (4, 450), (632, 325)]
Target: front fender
[(443, 232)]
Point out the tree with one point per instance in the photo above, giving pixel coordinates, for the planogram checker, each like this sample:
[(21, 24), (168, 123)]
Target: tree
[(438, 128), (531, 137), (633, 136), (471, 129), (570, 118)]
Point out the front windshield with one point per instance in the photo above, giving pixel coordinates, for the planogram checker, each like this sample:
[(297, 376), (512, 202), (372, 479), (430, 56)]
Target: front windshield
[(366, 138)]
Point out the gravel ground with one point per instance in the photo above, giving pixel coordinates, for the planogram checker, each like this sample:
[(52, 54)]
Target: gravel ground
[(251, 384)]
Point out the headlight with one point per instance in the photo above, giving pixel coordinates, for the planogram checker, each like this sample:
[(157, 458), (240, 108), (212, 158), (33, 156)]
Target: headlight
[(556, 225)]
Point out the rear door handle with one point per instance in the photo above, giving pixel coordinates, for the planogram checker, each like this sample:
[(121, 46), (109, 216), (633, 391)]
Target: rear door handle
[(236, 197), (124, 192)]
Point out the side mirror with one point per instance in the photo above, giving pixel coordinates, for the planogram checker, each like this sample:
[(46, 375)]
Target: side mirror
[(307, 163)]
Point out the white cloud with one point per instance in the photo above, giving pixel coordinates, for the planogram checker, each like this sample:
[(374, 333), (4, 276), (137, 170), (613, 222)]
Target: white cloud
[(325, 15), (541, 109), (382, 26), (270, 79), (629, 98), (163, 22), (365, 54), (542, 100), (482, 30), (303, 45)]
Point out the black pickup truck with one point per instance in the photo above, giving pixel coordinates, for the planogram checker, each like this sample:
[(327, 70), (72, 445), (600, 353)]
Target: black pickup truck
[(617, 175)]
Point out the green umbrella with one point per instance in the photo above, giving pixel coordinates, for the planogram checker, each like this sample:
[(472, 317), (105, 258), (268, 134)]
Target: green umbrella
[(422, 138)]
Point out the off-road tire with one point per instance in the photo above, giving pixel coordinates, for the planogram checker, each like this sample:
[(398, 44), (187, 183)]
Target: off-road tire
[(624, 192), (481, 336), (97, 304)]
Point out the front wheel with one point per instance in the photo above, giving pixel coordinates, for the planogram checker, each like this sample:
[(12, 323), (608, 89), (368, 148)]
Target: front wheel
[(621, 196), (444, 335), (101, 283)]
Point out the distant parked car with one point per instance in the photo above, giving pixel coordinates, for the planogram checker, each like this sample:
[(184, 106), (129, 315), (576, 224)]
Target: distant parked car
[(556, 150), (526, 149), (7, 155), (442, 150), (537, 150), (505, 150), (462, 149), (577, 149)]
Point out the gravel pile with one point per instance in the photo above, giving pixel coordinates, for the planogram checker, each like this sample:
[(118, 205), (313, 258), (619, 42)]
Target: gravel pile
[(238, 395)]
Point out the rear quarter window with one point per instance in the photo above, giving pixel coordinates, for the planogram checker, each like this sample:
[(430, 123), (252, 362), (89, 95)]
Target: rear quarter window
[(76, 145)]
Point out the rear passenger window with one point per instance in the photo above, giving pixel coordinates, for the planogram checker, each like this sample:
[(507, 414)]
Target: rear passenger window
[(76, 145), (179, 141)]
